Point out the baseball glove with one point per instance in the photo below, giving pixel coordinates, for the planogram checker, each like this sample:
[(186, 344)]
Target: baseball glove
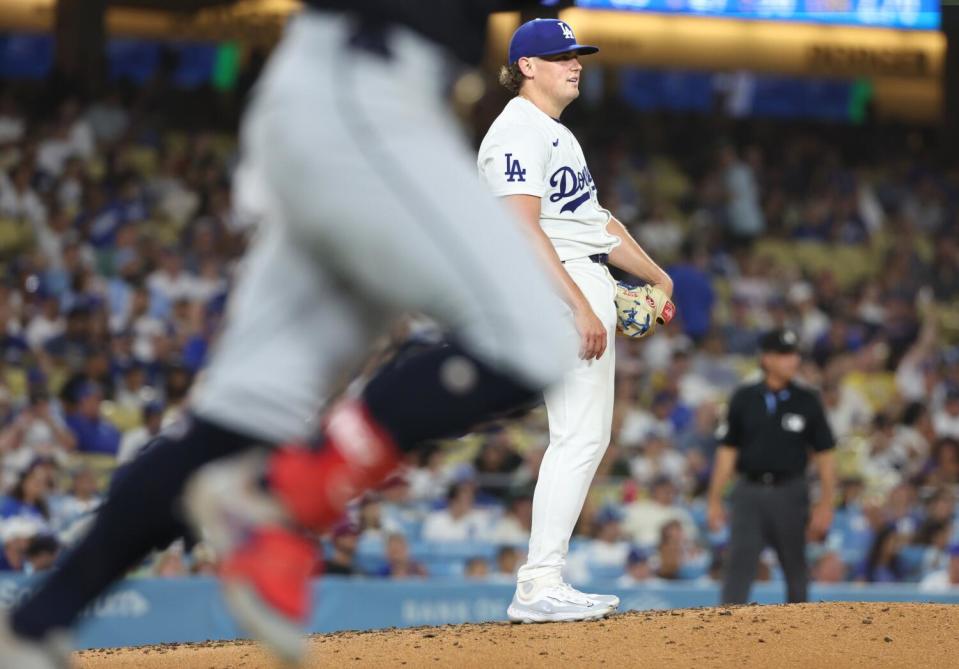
[(640, 309)]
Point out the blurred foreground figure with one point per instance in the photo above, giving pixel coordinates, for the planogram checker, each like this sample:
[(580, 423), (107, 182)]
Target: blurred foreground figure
[(369, 207)]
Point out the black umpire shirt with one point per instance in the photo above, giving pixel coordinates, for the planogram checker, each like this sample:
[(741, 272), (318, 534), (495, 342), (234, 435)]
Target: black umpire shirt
[(456, 25), (773, 431)]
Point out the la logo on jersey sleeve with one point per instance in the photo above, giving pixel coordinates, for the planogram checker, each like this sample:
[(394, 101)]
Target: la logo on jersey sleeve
[(514, 171)]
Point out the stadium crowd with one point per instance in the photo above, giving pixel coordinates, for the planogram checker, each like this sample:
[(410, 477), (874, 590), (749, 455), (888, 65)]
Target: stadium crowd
[(119, 240)]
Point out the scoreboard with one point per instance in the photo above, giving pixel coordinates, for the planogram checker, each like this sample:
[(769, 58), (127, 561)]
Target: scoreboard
[(900, 14)]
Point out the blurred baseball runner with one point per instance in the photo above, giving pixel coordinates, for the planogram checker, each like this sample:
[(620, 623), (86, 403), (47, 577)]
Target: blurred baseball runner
[(370, 206), (535, 163)]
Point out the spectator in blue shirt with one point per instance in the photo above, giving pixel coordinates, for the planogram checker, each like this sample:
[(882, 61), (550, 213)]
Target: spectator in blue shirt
[(94, 435), (75, 343), (693, 291)]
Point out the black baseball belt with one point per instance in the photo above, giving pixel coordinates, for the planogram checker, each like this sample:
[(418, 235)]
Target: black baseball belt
[(598, 258), (770, 478)]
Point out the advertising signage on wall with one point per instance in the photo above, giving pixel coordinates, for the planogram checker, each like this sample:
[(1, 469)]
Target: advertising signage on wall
[(902, 14)]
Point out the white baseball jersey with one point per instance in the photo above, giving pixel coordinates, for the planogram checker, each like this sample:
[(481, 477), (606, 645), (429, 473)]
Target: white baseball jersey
[(527, 152)]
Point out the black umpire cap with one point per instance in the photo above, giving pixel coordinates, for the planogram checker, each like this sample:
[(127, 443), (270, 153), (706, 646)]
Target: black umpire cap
[(779, 341)]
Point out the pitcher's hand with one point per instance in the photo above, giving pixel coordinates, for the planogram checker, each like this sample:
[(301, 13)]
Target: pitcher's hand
[(592, 334)]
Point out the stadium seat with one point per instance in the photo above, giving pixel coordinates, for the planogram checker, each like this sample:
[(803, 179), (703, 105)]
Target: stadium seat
[(605, 572), (852, 535), (699, 513), (693, 569), (14, 236), (370, 564), (910, 559), (426, 550), (142, 158), (444, 568)]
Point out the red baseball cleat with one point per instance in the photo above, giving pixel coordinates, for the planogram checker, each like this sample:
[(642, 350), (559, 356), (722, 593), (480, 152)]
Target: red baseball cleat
[(250, 508), (266, 565)]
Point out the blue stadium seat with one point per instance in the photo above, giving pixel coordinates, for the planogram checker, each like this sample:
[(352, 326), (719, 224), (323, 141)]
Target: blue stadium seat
[(425, 550), (852, 557), (605, 572), (910, 558), (699, 513), (369, 564), (852, 535), (411, 529), (370, 545), (444, 568), (693, 570)]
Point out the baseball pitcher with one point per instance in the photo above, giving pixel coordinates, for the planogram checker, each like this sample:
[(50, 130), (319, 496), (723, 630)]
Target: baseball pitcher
[(534, 162)]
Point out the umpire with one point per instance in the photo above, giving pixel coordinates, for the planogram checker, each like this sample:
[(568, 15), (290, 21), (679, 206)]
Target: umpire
[(773, 427)]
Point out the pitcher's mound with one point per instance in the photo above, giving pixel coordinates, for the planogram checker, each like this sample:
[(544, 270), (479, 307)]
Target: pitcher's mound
[(835, 634)]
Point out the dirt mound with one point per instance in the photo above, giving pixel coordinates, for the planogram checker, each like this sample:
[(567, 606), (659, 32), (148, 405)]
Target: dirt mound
[(799, 635)]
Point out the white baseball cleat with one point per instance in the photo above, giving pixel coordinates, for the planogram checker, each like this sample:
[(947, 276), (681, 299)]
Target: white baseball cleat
[(53, 652), (556, 603), (612, 601)]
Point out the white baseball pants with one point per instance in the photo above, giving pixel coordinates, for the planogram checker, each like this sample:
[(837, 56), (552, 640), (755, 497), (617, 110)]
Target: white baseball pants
[(580, 412), (371, 207)]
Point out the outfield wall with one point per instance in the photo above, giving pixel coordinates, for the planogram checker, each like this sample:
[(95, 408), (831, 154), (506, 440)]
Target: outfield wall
[(148, 611)]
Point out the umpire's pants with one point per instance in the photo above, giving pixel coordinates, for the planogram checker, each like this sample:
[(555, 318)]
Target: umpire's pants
[(767, 515)]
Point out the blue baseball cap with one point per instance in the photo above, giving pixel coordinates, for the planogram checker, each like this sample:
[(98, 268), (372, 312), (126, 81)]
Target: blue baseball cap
[(545, 37), (608, 514)]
